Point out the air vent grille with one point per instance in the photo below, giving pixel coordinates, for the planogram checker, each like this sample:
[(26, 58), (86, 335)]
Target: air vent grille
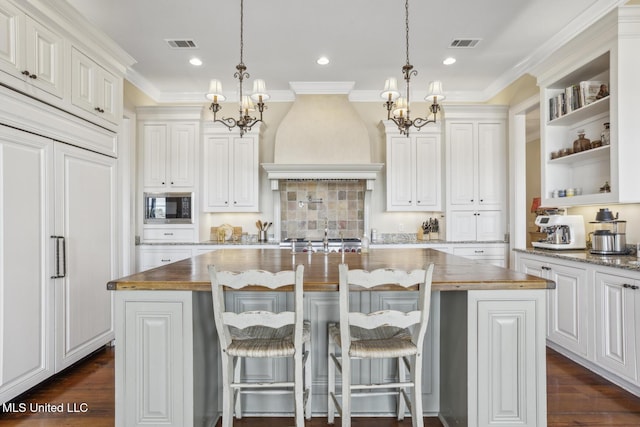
[(182, 44), (464, 43)]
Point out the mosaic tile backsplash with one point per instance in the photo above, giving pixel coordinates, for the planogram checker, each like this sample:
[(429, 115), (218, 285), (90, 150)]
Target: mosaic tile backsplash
[(306, 205)]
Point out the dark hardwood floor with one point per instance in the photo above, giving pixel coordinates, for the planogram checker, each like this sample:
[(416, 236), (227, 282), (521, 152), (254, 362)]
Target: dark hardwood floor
[(576, 397)]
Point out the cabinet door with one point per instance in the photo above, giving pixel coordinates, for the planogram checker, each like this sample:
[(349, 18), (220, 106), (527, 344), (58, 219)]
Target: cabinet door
[(11, 46), (83, 81), (567, 308), (616, 324), (428, 172), (109, 92), (462, 164), (489, 226), (244, 178), (154, 138), (182, 155), (26, 310), (492, 162), (401, 174), (86, 217), (462, 225), (44, 56), (216, 174)]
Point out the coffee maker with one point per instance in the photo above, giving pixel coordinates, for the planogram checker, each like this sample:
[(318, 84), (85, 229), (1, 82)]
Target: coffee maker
[(562, 232), (609, 236)]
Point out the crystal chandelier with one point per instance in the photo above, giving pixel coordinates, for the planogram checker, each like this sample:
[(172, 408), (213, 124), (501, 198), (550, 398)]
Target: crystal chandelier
[(244, 122), (398, 108)]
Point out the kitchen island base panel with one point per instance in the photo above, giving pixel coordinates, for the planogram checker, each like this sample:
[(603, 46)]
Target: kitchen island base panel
[(487, 356)]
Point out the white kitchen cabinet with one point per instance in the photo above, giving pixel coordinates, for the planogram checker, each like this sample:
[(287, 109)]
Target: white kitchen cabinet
[(606, 52), (414, 172), (95, 89), (478, 226), (169, 155), (617, 312), (26, 313), (31, 52), (567, 305), (56, 309), (230, 171), (476, 172)]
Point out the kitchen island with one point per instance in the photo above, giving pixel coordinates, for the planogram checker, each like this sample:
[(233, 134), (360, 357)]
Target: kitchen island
[(486, 344)]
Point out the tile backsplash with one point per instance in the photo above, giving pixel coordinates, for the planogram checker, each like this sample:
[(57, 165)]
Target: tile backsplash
[(305, 205)]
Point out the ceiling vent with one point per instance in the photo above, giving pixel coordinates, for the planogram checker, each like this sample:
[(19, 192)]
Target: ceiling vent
[(464, 43), (181, 44)]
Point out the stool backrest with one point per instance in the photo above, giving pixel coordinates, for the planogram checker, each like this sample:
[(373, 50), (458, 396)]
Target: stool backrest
[(256, 280), (383, 278)]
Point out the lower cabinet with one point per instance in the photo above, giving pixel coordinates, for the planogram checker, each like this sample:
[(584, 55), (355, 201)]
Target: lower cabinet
[(617, 317), (592, 315), (492, 254)]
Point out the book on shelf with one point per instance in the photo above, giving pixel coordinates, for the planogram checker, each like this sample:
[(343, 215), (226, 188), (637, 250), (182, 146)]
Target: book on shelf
[(592, 90)]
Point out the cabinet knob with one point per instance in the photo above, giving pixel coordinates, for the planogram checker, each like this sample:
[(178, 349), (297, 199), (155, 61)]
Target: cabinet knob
[(634, 287), (171, 182), (481, 200), (26, 72), (471, 200), (33, 76), (235, 202), (162, 182)]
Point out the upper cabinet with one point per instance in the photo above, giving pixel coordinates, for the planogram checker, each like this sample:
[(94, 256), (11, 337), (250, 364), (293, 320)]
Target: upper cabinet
[(30, 51), (476, 159), (68, 66), (414, 169), (169, 150), (590, 81), (95, 89), (230, 170)]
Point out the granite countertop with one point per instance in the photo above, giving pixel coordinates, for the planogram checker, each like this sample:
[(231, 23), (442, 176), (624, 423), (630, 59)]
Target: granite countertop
[(627, 262)]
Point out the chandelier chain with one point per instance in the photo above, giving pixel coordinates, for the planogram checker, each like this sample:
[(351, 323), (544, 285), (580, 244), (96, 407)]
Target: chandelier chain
[(241, 31), (406, 22)]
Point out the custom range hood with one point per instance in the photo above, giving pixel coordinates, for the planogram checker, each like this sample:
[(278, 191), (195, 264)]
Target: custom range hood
[(322, 137)]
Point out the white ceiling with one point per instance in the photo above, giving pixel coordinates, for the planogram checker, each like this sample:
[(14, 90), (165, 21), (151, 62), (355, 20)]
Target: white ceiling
[(364, 40)]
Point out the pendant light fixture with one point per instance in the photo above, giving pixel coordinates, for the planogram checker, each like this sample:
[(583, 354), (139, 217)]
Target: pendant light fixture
[(244, 122), (398, 108)]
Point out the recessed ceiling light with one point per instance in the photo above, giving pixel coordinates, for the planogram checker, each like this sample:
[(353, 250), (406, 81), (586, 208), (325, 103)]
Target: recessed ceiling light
[(448, 61), (323, 60), (195, 61)]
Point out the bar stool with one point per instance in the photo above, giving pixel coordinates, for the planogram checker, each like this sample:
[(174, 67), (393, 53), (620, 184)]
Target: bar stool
[(383, 334), (261, 334)]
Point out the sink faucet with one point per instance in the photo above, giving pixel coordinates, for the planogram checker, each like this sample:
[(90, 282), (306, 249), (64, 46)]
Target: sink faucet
[(325, 241)]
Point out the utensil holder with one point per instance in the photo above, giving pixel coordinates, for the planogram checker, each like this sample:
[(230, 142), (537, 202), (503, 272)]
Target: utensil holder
[(262, 235)]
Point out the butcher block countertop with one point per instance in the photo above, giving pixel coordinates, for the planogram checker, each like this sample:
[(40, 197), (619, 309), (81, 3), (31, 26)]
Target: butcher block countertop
[(451, 273)]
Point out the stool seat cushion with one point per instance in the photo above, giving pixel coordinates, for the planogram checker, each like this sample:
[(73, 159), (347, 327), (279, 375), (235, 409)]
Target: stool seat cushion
[(263, 341), (382, 342)]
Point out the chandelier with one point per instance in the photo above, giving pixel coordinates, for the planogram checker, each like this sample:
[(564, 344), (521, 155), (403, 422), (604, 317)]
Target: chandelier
[(246, 106), (397, 107)]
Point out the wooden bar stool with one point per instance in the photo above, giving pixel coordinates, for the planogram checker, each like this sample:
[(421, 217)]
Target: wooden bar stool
[(262, 334), (383, 334)]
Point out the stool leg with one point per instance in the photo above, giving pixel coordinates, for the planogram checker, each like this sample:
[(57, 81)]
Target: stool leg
[(308, 381), (416, 397), (237, 371), (298, 388), (346, 388), (331, 380), (402, 375), (227, 393)]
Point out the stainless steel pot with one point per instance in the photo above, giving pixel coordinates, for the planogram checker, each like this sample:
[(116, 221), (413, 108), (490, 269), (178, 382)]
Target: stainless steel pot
[(604, 242)]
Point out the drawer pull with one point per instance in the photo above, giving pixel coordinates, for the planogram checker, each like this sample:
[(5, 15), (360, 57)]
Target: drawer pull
[(544, 267), (165, 260), (168, 234), (479, 252)]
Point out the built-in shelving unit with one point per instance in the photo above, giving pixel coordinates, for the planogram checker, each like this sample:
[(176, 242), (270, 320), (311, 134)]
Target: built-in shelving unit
[(605, 52)]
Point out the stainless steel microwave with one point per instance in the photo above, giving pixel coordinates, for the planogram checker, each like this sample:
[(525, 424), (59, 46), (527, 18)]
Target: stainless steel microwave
[(168, 208)]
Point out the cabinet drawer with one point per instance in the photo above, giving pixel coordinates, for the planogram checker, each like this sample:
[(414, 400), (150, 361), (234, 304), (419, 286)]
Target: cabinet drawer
[(479, 251), (150, 258), (168, 234)]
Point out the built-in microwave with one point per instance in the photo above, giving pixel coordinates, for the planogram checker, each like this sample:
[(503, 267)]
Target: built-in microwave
[(168, 208)]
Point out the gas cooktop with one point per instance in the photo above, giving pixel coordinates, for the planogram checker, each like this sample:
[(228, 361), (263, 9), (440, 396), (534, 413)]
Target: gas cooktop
[(350, 244)]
